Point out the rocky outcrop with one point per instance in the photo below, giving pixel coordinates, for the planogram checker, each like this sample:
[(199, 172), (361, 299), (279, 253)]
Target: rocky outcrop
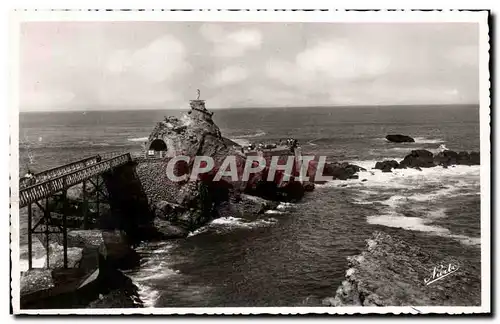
[(253, 205), (342, 171), (387, 165), (425, 159), (391, 272), (398, 138), (447, 158), (418, 159)]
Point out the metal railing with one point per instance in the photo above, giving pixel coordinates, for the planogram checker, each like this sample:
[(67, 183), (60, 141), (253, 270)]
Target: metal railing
[(57, 172), (49, 187)]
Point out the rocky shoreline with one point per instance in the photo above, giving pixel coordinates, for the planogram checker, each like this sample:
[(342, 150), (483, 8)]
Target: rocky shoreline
[(391, 272)]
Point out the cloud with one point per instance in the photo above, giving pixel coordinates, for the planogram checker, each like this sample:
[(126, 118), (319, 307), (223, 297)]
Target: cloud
[(232, 44), (229, 75), (348, 72), (159, 61), (74, 65)]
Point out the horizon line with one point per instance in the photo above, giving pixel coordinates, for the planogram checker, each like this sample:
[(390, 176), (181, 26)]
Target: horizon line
[(258, 107)]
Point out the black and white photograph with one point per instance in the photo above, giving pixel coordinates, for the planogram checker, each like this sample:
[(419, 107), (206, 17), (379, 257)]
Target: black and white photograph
[(329, 162)]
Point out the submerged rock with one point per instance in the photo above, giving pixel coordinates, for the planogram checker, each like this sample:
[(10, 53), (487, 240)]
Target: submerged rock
[(398, 138)]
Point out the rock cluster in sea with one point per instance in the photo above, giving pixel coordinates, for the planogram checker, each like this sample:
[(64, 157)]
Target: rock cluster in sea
[(425, 159)]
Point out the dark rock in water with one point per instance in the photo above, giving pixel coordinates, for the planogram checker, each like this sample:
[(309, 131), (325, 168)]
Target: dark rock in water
[(116, 251), (387, 165), (341, 171), (398, 138), (472, 158), (391, 272), (117, 291), (308, 186), (446, 158), (169, 231), (418, 158), (475, 158), (253, 205)]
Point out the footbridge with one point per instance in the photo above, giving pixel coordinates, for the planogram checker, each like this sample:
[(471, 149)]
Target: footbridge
[(47, 192)]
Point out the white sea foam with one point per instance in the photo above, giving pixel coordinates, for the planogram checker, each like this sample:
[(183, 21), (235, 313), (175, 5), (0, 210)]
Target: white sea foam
[(258, 134), (424, 140), (421, 191), (240, 222), (284, 205), (155, 268), (148, 295), (224, 224), (241, 141), (408, 223), (137, 139), (273, 211)]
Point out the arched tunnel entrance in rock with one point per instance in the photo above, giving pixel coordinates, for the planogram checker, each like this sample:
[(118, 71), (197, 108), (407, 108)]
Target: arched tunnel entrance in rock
[(157, 148)]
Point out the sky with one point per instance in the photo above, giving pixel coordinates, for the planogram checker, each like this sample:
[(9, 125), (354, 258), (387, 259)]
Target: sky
[(156, 65)]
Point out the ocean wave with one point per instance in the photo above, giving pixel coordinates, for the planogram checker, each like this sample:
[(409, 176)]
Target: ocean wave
[(240, 222), (424, 140), (243, 140), (284, 205), (273, 211), (258, 134), (154, 268), (411, 199), (421, 225), (404, 222), (137, 139), (223, 224), (147, 294)]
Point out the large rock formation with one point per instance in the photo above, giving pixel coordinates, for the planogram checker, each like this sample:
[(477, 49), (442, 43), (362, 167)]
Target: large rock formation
[(398, 138)]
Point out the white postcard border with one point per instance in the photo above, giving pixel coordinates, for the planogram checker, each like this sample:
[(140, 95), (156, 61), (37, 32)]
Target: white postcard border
[(402, 16)]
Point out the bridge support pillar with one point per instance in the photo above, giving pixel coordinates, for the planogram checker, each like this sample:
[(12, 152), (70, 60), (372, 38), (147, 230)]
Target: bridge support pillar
[(65, 229), (30, 242), (85, 206)]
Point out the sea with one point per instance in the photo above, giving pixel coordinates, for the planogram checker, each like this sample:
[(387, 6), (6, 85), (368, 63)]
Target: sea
[(297, 253)]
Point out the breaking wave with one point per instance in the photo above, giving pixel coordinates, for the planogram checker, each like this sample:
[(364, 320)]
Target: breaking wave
[(419, 194), (137, 139), (225, 224), (424, 140), (258, 134), (154, 269)]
